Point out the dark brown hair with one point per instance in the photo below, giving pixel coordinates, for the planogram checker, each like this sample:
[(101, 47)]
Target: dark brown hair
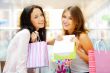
[(25, 22), (78, 18)]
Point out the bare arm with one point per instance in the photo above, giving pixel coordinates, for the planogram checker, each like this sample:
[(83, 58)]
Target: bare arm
[(86, 45)]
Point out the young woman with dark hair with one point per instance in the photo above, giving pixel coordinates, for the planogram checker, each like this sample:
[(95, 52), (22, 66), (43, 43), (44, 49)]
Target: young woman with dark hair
[(32, 23)]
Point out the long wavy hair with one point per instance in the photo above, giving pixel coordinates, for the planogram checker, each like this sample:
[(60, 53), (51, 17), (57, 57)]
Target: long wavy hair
[(25, 22), (78, 18)]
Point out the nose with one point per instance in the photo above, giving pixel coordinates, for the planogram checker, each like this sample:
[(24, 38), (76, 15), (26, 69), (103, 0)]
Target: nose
[(65, 21), (41, 18)]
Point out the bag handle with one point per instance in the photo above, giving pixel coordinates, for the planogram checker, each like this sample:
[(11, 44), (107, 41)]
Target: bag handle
[(38, 37)]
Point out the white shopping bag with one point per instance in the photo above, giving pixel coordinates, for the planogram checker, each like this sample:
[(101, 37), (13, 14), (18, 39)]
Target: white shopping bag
[(64, 49)]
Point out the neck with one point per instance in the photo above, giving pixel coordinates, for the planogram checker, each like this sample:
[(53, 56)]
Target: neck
[(37, 29), (70, 31)]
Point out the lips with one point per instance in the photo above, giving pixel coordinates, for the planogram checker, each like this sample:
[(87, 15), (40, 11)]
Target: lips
[(41, 23), (65, 24)]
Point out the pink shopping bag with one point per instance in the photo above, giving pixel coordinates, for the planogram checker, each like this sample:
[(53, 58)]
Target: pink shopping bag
[(92, 64), (100, 62), (37, 55), (102, 59)]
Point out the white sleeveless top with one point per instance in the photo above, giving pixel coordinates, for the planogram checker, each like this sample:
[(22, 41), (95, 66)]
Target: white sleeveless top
[(79, 66)]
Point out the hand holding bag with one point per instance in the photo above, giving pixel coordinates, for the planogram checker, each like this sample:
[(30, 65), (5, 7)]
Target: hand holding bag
[(37, 55), (64, 49)]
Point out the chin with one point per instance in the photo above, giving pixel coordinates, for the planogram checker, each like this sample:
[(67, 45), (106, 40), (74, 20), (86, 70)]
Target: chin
[(65, 28), (42, 26)]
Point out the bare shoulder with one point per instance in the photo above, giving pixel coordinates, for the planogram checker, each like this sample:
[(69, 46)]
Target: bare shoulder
[(83, 36), (85, 41)]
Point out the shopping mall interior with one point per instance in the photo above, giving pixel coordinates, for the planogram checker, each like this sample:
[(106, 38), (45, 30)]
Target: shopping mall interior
[(96, 14)]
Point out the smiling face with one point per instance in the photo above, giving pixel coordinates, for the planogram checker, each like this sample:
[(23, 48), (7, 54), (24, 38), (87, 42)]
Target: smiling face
[(37, 18), (67, 21)]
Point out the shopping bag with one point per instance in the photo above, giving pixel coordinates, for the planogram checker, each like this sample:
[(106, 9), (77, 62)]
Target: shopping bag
[(99, 59), (64, 49), (92, 64), (37, 55), (63, 66), (102, 59)]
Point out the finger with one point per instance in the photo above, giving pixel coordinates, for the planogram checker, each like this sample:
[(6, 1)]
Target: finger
[(59, 37), (33, 37), (36, 32)]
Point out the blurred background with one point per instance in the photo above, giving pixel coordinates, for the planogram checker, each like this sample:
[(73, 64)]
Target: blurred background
[(96, 13)]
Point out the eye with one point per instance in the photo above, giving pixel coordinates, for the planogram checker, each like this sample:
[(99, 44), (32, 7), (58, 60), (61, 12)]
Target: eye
[(63, 16), (36, 16), (70, 18), (41, 15)]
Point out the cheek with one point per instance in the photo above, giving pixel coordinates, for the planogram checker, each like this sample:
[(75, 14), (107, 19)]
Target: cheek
[(35, 23), (64, 21), (72, 23), (73, 26), (43, 19)]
